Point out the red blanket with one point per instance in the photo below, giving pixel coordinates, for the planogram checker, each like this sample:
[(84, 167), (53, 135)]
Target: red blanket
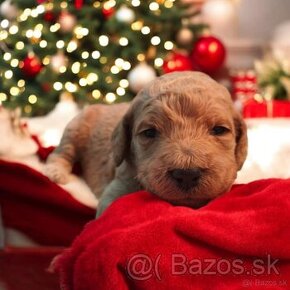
[(34, 205), (238, 241)]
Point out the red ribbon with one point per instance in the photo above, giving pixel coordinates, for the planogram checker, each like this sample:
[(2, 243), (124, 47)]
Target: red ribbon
[(79, 4)]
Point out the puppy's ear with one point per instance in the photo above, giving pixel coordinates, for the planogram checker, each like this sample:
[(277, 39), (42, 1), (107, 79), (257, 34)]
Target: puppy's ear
[(241, 140), (121, 138)]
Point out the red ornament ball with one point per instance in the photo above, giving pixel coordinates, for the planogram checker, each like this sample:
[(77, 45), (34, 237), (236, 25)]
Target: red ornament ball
[(49, 16), (208, 54), (177, 62), (108, 12), (31, 66)]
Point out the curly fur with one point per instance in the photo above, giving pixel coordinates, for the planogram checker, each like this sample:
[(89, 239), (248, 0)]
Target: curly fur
[(183, 107)]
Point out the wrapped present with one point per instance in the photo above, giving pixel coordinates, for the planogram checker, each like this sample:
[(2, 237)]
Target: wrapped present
[(266, 109)]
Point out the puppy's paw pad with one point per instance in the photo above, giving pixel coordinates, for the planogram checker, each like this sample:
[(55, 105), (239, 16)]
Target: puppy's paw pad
[(56, 174)]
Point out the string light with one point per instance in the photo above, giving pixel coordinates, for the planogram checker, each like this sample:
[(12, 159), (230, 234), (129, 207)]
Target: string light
[(123, 41), (8, 74), (104, 40), (154, 6), (83, 82), (13, 29), (110, 98), (85, 55), (103, 60), (72, 45), (124, 83), (91, 78), (14, 62), (115, 70), (145, 30), (21, 83), (58, 86), (46, 60), (14, 91), (155, 40), (55, 27), (43, 43), (126, 65), (32, 99), (60, 44), (168, 45), (3, 97), (3, 35), (70, 87), (141, 57), (158, 62), (63, 5), (7, 56), (96, 54), (135, 3), (168, 4), (4, 24), (75, 68), (96, 94), (137, 25), (121, 91)]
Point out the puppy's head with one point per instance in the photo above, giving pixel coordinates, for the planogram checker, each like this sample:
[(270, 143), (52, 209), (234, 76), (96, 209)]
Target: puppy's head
[(183, 138)]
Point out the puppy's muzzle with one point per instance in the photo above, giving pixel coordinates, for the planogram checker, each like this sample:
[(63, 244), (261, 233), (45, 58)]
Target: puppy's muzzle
[(186, 178)]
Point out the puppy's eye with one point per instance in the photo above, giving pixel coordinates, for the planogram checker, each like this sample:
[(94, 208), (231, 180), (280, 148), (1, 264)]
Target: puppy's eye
[(219, 130), (149, 133)]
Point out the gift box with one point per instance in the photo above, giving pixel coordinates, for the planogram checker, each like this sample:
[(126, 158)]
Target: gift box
[(268, 109)]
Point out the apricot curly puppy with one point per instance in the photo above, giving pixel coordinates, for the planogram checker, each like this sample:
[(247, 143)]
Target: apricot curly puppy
[(180, 138)]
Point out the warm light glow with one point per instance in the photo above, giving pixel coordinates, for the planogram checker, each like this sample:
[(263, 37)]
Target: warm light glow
[(57, 86), (19, 45), (96, 94), (60, 44), (110, 98), (70, 87), (168, 45), (124, 83), (7, 56), (158, 62), (8, 74), (137, 25), (115, 70), (92, 77), (14, 62), (145, 30), (154, 6), (126, 65), (96, 54), (14, 91), (32, 99), (123, 41), (4, 24), (104, 40), (136, 3), (3, 97), (121, 91), (21, 83), (85, 55), (13, 29), (76, 67), (55, 27), (72, 46), (43, 43), (155, 40), (141, 57)]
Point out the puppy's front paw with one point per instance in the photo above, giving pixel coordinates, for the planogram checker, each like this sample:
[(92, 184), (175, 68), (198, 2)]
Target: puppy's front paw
[(56, 173)]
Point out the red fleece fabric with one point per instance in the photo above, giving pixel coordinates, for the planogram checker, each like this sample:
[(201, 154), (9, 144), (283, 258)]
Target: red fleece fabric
[(142, 242), (34, 205)]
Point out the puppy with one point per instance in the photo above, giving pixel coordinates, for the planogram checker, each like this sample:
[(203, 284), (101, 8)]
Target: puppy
[(180, 139)]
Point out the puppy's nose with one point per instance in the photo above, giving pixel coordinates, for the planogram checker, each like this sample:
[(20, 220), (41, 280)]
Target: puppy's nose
[(186, 178)]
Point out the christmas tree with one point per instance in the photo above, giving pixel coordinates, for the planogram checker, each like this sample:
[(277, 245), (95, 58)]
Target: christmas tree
[(97, 51)]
